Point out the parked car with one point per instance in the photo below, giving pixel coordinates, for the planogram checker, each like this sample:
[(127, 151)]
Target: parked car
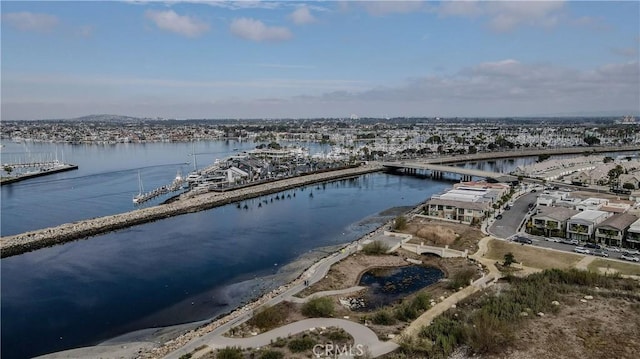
[(613, 249), (630, 251), (592, 246), (600, 253), (523, 240), (499, 216), (573, 242), (629, 258), (553, 239), (581, 250), (534, 190)]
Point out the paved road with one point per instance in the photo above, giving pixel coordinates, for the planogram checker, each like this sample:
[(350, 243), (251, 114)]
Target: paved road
[(511, 219)]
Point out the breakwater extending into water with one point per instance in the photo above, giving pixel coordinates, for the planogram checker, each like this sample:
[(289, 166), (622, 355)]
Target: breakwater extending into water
[(29, 241)]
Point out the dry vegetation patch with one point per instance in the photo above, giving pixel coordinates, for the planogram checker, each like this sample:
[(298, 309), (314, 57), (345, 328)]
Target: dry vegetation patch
[(440, 233), (531, 256), (552, 314)]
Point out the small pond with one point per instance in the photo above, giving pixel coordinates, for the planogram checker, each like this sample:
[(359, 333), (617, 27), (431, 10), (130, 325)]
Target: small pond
[(386, 285)]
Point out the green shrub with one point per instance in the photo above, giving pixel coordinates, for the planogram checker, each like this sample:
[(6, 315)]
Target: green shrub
[(272, 354), (279, 343), (400, 223), (383, 317), (405, 312), (375, 248), (268, 318), (186, 356), (338, 335), (461, 279), (318, 307), (421, 302), (301, 344), (230, 353)]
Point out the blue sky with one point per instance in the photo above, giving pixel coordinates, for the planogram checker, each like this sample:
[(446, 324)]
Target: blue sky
[(259, 59)]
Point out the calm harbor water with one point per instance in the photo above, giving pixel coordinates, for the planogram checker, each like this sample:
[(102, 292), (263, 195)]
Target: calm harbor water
[(177, 270), (185, 268)]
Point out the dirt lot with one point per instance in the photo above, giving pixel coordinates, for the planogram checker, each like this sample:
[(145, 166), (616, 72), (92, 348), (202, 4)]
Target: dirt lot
[(601, 328), (440, 233)]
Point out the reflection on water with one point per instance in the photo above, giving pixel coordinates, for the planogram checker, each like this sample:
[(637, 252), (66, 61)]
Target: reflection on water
[(386, 285)]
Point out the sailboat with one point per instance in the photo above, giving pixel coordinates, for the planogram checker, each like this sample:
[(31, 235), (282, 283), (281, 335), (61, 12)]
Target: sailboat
[(139, 198)]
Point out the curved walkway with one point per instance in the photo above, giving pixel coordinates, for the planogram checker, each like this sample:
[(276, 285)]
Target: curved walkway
[(360, 333), (326, 293)]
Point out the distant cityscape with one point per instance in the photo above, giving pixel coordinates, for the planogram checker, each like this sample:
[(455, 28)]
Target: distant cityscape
[(369, 138)]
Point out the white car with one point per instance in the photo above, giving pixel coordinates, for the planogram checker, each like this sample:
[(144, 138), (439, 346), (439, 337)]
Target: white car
[(553, 239), (582, 250), (629, 258), (613, 249), (630, 251)]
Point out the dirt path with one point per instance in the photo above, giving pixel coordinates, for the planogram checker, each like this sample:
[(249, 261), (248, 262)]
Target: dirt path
[(584, 262)]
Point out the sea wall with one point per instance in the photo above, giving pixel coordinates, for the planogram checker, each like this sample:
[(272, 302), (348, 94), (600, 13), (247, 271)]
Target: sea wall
[(29, 241)]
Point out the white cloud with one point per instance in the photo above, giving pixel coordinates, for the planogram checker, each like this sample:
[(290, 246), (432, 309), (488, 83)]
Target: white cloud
[(507, 15), (301, 16), (381, 8), (29, 21), (181, 24), (256, 30)]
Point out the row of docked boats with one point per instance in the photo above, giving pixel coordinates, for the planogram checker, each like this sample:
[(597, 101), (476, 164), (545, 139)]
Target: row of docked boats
[(143, 196)]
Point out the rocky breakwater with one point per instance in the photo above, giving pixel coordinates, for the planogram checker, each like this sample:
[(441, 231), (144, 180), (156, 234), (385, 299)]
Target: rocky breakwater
[(29, 241)]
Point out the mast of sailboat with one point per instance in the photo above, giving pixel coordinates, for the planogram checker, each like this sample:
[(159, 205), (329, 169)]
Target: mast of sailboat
[(193, 153), (140, 187)]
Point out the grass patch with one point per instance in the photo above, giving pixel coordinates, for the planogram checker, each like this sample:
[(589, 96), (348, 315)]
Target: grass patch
[(318, 307), (272, 354), (230, 353), (410, 310), (375, 248), (268, 317), (383, 317), (619, 267), (531, 256), (301, 344)]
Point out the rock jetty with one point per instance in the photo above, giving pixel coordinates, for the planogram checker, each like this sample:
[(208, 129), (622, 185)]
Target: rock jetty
[(29, 241)]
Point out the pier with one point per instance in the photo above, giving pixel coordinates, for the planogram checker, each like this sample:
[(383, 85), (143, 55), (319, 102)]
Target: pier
[(44, 171)]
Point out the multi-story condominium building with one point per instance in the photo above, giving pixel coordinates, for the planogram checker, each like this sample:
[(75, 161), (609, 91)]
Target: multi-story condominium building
[(582, 225), (612, 230), (552, 221), (632, 240)]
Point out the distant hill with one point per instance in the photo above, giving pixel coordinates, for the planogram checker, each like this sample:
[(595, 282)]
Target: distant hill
[(106, 118)]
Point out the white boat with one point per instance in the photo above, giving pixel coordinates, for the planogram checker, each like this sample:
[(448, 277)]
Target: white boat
[(139, 198)]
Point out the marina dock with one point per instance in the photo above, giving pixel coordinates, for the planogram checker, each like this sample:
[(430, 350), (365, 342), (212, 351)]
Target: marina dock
[(41, 172)]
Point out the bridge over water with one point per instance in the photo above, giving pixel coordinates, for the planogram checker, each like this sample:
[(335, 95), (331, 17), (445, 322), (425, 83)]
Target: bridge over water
[(435, 167), (437, 170)]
